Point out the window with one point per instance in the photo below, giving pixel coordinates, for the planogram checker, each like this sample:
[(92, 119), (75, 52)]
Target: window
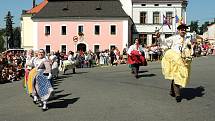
[(97, 29), (156, 18), (168, 35), (80, 28), (47, 30), (48, 48), (169, 17), (113, 30), (112, 47), (143, 39), (156, 4), (143, 4), (96, 48), (142, 17), (63, 48), (169, 4), (63, 30)]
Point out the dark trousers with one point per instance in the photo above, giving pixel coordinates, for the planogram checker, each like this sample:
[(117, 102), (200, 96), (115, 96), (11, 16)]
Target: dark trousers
[(112, 60), (135, 69), (175, 89)]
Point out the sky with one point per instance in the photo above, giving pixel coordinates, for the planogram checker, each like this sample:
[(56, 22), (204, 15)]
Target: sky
[(201, 10)]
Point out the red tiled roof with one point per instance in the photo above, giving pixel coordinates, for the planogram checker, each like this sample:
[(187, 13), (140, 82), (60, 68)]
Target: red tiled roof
[(38, 7)]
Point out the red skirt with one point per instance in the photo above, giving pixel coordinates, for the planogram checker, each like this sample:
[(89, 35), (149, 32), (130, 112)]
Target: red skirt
[(137, 58)]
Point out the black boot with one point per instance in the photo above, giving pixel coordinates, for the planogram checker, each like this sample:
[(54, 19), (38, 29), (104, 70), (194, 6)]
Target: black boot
[(178, 99), (172, 92), (73, 70)]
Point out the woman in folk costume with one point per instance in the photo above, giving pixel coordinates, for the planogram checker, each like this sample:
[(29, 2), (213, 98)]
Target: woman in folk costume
[(68, 64), (136, 57), (42, 86), (72, 60), (28, 66), (54, 65), (32, 74), (176, 62)]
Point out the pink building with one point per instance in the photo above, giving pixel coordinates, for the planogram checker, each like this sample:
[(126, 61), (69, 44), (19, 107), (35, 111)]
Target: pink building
[(74, 25)]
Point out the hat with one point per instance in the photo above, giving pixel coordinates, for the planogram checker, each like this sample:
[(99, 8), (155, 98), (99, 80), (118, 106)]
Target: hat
[(182, 26)]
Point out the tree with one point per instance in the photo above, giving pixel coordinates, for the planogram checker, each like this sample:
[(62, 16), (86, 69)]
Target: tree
[(2, 40), (17, 37), (194, 26), (9, 30), (204, 27)]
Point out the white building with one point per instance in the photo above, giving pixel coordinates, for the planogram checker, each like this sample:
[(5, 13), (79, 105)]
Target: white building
[(210, 34), (148, 16)]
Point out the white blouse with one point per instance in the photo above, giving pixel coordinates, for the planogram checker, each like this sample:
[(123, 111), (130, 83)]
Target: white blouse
[(177, 43)]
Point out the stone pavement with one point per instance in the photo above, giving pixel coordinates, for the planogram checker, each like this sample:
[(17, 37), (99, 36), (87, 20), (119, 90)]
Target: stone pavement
[(113, 94)]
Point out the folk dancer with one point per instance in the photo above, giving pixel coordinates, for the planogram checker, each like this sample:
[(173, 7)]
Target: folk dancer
[(28, 67), (136, 57), (42, 87), (176, 63)]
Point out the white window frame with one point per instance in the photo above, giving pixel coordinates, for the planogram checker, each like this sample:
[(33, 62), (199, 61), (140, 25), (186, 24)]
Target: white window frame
[(171, 19), (146, 20), (61, 30), (96, 44), (159, 19), (48, 45), (78, 28), (61, 47), (45, 29), (111, 45), (110, 29), (99, 29)]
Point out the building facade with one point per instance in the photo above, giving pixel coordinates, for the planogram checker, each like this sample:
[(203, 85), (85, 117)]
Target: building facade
[(151, 16), (76, 25), (209, 35)]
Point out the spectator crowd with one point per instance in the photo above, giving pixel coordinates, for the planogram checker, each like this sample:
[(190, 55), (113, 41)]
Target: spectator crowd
[(12, 63)]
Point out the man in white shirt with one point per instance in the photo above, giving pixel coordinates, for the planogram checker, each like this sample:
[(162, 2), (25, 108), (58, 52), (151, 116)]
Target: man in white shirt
[(176, 61)]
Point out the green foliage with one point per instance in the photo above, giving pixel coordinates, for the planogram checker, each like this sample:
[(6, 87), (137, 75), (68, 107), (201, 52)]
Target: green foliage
[(2, 40), (17, 37), (204, 27), (9, 29), (194, 26)]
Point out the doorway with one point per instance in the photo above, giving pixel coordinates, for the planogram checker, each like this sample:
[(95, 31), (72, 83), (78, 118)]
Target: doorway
[(81, 47)]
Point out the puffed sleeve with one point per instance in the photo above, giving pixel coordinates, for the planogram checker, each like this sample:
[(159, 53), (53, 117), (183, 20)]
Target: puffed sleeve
[(47, 66), (129, 50)]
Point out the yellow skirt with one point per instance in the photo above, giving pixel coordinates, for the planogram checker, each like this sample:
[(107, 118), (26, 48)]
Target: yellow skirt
[(175, 68), (31, 77)]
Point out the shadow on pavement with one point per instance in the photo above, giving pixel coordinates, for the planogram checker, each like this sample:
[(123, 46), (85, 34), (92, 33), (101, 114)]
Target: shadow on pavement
[(143, 71), (58, 91), (75, 73), (147, 75), (191, 93), (63, 103), (62, 77), (59, 96)]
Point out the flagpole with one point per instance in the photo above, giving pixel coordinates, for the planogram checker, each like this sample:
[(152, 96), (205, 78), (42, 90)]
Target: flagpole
[(175, 20)]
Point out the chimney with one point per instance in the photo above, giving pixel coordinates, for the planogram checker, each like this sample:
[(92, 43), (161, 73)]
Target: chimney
[(34, 3)]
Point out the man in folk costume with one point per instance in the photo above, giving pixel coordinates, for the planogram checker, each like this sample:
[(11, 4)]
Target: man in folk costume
[(176, 62), (42, 86), (136, 57)]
